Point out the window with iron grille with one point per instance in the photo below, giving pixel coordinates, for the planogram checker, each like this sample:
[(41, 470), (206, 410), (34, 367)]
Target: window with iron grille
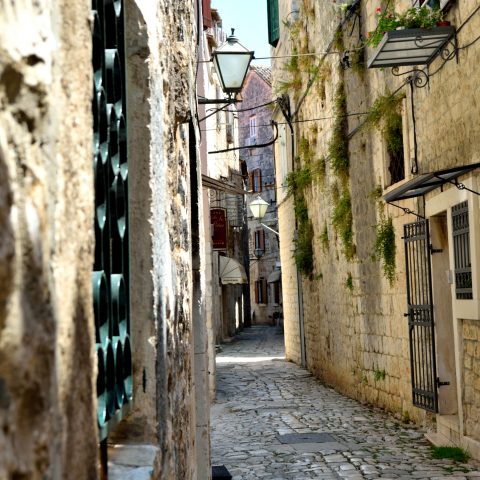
[(273, 22), (110, 277), (461, 251)]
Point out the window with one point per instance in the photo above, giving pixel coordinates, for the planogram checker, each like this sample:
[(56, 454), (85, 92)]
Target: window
[(276, 292), (259, 240), (461, 251), (253, 126), (432, 3), (261, 296), (255, 180), (273, 23), (229, 127), (394, 139)]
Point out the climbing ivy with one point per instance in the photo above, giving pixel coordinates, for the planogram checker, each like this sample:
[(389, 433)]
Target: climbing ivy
[(338, 146), (342, 221), (385, 115), (304, 242), (385, 247)]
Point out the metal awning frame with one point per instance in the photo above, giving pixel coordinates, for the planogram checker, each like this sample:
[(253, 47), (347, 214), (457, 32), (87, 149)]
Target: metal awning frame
[(414, 46), (426, 182)]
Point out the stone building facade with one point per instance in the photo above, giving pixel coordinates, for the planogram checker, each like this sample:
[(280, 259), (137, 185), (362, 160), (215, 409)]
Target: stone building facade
[(255, 128), (374, 157), (65, 340), (224, 196)]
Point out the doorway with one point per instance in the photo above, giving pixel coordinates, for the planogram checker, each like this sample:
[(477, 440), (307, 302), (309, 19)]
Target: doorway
[(442, 280)]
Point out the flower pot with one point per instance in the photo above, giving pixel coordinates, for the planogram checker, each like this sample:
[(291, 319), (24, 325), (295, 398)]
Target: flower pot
[(443, 23)]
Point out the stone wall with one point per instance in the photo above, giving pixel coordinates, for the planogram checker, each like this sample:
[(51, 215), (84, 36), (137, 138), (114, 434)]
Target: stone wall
[(47, 385), (47, 366), (290, 296), (258, 91), (471, 377), (355, 333)]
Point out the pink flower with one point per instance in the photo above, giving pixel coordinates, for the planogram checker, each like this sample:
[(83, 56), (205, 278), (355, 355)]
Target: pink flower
[(378, 10)]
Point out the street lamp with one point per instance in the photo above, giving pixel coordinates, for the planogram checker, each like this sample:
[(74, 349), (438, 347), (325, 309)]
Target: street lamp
[(231, 61), (258, 207)]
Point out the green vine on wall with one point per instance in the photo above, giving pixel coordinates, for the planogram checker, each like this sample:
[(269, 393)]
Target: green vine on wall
[(297, 182), (342, 221), (385, 247), (342, 218), (304, 242), (385, 115), (338, 146)]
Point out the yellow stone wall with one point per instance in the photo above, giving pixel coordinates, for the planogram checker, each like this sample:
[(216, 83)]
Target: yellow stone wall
[(356, 334)]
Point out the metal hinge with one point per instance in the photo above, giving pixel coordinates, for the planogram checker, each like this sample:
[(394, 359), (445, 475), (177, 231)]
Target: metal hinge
[(441, 384), (435, 250)]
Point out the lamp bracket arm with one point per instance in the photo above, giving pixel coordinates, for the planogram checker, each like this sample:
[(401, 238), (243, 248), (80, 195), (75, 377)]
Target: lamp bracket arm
[(270, 229), (260, 145)]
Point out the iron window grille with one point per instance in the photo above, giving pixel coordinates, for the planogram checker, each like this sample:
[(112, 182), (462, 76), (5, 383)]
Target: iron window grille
[(461, 251), (110, 276)]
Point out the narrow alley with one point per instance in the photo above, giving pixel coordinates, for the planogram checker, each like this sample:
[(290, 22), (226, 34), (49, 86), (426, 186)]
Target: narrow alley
[(273, 420)]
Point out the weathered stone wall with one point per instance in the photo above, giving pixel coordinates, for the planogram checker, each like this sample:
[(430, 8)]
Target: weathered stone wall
[(258, 91), (286, 223), (46, 236), (356, 335), (286, 214), (171, 37), (47, 367), (471, 377)]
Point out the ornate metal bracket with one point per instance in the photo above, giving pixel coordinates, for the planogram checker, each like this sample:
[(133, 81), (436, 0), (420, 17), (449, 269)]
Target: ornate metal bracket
[(406, 210), (461, 186), (417, 77), (420, 77)]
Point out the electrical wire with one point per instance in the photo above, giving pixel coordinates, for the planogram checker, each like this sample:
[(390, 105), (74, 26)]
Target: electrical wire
[(294, 121)]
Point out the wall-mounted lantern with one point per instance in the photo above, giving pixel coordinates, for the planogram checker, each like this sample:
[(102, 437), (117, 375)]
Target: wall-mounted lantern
[(231, 61)]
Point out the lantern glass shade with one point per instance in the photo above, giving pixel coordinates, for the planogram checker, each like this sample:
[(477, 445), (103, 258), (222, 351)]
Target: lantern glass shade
[(231, 61), (258, 207)]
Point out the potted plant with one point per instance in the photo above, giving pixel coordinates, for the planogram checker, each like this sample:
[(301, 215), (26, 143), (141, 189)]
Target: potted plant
[(388, 20)]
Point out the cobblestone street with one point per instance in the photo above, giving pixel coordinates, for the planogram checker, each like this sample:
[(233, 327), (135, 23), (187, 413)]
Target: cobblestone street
[(273, 420)]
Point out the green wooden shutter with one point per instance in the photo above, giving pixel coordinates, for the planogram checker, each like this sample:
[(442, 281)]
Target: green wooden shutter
[(273, 23)]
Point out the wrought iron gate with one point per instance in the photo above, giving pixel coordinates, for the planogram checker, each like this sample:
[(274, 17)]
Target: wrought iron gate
[(420, 315), (110, 277)]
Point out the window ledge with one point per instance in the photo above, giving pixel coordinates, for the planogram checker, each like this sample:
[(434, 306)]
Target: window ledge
[(131, 462)]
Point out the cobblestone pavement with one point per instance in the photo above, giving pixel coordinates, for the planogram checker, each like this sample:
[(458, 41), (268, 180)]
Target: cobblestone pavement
[(261, 398)]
